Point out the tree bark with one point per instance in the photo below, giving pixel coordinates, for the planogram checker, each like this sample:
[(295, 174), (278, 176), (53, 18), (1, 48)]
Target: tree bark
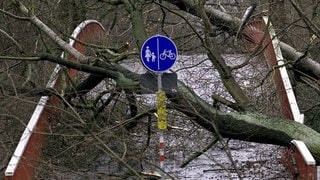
[(251, 127), (230, 25), (300, 62)]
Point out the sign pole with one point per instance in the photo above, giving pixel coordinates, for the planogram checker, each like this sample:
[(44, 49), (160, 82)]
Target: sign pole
[(158, 54), (162, 118)]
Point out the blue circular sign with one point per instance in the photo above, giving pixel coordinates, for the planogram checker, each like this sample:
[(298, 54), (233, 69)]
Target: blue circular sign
[(158, 53)]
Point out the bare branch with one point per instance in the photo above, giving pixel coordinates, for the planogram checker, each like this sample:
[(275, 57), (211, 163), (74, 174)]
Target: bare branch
[(12, 39), (49, 32)]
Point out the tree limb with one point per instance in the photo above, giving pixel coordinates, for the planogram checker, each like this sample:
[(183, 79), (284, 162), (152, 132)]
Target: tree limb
[(49, 32), (215, 57), (230, 24), (251, 127), (306, 65), (112, 71)]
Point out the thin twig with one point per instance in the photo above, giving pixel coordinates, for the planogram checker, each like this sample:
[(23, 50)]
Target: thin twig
[(199, 153)]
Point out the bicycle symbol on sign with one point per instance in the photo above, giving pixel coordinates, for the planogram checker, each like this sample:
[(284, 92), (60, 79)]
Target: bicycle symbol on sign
[(167, 53)]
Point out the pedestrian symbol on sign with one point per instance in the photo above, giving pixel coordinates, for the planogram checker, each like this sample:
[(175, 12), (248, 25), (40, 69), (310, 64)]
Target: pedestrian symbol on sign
[(158, 53), (149, 54)]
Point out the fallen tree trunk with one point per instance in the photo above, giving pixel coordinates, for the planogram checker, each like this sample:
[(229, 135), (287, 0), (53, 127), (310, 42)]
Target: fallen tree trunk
[(300, 62), (230, 24), (251, 127), (248, 126)]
